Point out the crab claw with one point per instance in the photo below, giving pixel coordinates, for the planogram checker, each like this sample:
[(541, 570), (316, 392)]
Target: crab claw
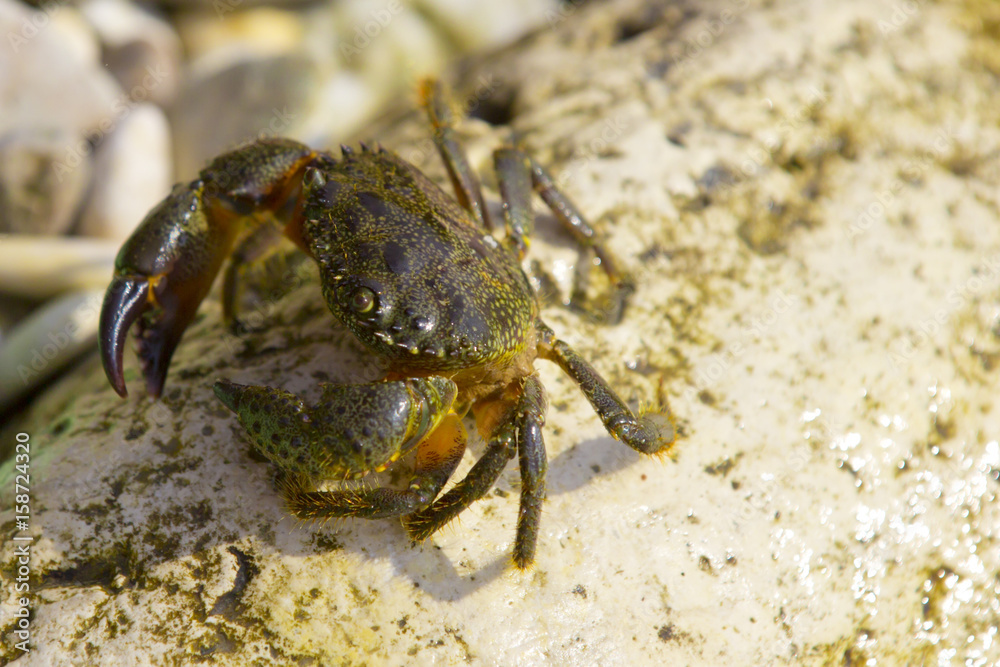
[(124, 302), (167, 266), (162, 273), (163, 316)]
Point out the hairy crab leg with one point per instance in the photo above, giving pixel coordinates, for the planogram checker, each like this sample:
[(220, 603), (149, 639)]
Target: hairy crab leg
[(258, 246), (167, 266), (533, 464), (515, 171), (648, 433), (463, 177), (501, 448), (515, 422)]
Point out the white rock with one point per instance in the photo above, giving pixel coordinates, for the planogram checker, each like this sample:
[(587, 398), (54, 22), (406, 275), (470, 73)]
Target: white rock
[(46, 341), (72, 30), (341, 106), (370, 58), (44, 174), (139, 48), (258, 31), (132, 173), (43, 267), (392, 45), (44, 79), (487, 25), (53, 96)]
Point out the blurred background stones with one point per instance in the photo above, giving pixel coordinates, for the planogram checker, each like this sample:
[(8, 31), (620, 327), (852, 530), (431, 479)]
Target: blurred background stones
[(105, 103)]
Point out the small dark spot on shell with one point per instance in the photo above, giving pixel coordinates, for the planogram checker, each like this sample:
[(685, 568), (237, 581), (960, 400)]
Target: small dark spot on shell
[(396, 258)]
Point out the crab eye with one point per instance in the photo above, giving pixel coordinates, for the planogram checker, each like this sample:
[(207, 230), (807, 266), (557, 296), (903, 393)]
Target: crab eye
[(362, 300)]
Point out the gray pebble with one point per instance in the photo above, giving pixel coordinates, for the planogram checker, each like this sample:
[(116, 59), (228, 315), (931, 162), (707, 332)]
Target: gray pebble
[(132, 172), (44, 173)]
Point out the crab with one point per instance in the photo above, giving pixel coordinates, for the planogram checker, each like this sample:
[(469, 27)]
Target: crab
[(419, 279)]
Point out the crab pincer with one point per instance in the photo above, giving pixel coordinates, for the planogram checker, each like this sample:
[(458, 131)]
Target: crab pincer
[(161, 275), (165, 269)]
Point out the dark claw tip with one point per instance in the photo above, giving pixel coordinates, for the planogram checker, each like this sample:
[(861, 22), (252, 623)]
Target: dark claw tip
[(229, 393), (124, 302)]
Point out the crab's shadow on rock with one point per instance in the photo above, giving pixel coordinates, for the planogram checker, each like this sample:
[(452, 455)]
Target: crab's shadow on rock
[(426, 564), (428, 567)]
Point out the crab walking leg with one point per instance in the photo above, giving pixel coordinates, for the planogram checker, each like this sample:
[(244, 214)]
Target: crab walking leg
[(513, 169), (533, 463), (647, 433), (437, 457), (463, 178), (573, 220), (519, 432), (476, 484), (260, 244), (167, 266), (351, 431)]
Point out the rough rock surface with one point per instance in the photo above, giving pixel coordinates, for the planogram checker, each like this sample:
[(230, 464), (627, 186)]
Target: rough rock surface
[(806, 193)]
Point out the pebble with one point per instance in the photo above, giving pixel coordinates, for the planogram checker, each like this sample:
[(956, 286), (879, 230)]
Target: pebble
[(12, 311), (132, 173), (45, 342), (487, 25), (391, 48), (51, 76), (140, 49), (76, 35), (53, 96), (260, 31), (222, 8), (42, 179), (341, 106), (26, 265), (220, 107)]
